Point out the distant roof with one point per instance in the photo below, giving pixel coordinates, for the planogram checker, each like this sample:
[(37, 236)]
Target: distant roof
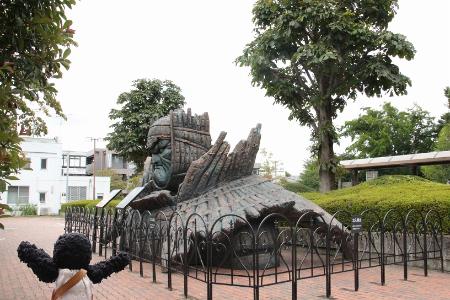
[(430, 158), (74, 153), (32, 139)]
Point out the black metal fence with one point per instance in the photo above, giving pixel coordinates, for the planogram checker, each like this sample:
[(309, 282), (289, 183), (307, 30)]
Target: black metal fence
[(273, 250)]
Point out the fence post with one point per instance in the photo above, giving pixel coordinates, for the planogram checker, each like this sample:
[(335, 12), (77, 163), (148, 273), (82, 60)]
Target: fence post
[(327, 264), (94, 234), (169, 267), (209, 265), (141, 248), (255, 268), (425, 249), (154, 255), (355, 258), (185, 261), (114, 234), (405, 253), (102, 228), (294, 263), (383, 267), (441, 254)]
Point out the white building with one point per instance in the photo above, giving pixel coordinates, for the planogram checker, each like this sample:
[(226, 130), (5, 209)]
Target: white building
[(44, 184)]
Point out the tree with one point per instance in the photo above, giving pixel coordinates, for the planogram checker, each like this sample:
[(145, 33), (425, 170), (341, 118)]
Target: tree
[(313, 56), (441, 173), (268, 165), (389, 132), (445, 118), (148, 101), (35, 41), (310, 175), (116, 183)]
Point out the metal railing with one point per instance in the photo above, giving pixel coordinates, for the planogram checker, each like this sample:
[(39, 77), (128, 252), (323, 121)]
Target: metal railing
[(274, 250)]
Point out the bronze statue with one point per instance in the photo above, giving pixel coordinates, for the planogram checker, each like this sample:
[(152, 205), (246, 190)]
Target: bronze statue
[(185, 173)]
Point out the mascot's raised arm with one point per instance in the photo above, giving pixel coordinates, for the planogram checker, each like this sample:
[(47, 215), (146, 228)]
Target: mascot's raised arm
[(69, 266)]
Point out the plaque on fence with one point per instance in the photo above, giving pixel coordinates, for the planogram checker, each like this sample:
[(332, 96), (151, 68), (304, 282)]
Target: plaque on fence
[(113, 194), (130, 197), (356, 224)]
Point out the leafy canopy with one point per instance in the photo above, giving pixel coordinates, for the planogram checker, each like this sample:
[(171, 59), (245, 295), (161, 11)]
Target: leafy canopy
[(440, 173), (389, 131), (312, 56), (35, 41), (140, 107), (310, 52)]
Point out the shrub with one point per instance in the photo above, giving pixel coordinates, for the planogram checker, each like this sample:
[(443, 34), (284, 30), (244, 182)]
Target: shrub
[(401, 193), (88, 203), (3, 208), (296, 187), (78, 203), (28, 210)]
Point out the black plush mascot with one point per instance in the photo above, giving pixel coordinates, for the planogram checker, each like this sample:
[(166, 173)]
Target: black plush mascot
[(71, 257)]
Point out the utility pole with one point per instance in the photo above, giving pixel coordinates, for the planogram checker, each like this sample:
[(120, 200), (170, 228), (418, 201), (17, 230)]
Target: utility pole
[(67, 175), (93, 167)]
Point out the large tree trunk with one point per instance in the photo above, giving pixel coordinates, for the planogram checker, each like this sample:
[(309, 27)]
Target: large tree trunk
[(326, 153)]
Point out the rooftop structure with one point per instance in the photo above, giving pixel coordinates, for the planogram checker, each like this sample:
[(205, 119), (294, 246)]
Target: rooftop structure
[(418, 159)]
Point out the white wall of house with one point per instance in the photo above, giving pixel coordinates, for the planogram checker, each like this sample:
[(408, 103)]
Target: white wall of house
[(84, 185), (44, 185)]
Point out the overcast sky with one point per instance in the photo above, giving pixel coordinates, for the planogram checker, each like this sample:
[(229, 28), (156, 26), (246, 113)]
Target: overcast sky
[(194, 43)]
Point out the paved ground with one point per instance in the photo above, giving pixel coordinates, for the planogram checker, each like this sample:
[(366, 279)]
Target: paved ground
[(18, 282)]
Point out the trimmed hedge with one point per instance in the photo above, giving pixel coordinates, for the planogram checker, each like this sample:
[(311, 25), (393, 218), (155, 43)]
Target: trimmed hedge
[(399, 192), (87, 203)]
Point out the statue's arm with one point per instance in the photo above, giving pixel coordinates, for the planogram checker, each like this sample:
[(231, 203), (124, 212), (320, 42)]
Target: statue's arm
[(104, 269), (39, 261)]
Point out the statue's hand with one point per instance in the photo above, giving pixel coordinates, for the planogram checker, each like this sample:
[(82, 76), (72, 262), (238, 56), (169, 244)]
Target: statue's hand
[(154, 200)]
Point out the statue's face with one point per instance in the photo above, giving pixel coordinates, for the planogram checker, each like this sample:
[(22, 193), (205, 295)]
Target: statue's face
[(161, 163)]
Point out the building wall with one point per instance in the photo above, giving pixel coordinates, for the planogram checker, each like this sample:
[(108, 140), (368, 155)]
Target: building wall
[(49, 181), (102, 185)]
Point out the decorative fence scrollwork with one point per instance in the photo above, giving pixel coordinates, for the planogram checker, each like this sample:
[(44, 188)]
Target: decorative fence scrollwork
[(274, 250)]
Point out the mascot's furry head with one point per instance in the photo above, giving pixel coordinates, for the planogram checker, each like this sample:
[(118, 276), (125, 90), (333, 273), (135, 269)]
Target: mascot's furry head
[(71, 251)]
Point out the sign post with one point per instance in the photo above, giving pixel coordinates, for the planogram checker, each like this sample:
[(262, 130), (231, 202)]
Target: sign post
[(356, 229)]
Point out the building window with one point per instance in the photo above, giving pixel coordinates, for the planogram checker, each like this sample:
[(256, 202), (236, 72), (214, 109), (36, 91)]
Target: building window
[(42, 197), (117, 162), (74, 161), (76, 193), (43, 163), (18, 194)]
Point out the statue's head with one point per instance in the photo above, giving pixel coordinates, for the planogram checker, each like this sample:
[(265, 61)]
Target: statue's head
[(174, 142)]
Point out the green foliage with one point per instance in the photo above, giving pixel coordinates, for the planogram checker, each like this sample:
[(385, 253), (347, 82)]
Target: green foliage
[(310, 175), (140, 107), (440, 173), (401, 193), (88, 203), (445, 118), (389, 131), (3, 207), (313, 56), (35, 41), (296, 187), (28, 210), (134, 181), (116, 179)]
